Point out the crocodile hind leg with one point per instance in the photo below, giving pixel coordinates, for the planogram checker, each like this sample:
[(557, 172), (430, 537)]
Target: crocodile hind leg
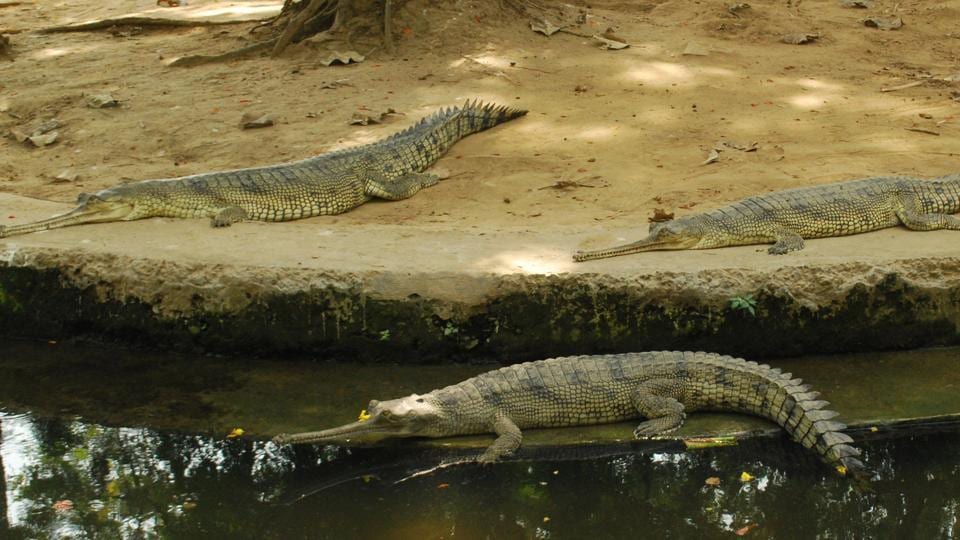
[(663, 412), (227, 216), (785, 241), (508, 440), (916, 221), (402, 187)]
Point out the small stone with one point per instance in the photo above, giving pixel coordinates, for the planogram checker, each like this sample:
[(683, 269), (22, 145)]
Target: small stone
[(800, 38), (44, 139), (884, 23), (66, 175)]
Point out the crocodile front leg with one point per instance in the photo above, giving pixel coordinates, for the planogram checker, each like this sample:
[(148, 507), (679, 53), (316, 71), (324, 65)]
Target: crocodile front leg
[(228, 216), (785, 241), (508, 440), (654, 401)]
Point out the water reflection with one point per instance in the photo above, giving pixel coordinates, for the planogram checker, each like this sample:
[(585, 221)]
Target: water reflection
[(70, 479)]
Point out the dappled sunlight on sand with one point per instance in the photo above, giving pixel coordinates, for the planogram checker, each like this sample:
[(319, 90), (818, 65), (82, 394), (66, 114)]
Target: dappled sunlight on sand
[(56, 52), (668, 73), (531, 260)]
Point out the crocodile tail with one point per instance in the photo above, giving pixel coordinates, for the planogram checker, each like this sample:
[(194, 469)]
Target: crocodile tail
[(477, 116), (791, 404)]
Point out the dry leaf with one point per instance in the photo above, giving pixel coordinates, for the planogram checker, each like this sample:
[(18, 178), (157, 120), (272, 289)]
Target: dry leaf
[(884, 23), (63, 505), (610, 44), (252, 120), (361, 119), (859, 4), (44, 139), (101, 101), (544, 27), (348, 57), (712, 157), (695, 49), (713, 481), (800, 38), (443, 486), (742, 531), (659, 214), (235, 432), (746, 477)]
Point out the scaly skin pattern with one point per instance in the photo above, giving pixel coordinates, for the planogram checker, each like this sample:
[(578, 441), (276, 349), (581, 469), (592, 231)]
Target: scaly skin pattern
[(327, 184), (785, 218), (582, 390)]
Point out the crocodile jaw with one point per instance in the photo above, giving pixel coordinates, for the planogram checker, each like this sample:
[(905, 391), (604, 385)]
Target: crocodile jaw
[(90, 211)]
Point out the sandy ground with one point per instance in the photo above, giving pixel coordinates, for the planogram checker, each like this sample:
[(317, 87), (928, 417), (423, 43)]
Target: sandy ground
[(632, 126)]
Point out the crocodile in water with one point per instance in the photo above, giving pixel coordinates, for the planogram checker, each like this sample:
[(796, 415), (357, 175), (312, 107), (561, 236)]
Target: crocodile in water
[(582, 390), (327, 184), (785, 218)]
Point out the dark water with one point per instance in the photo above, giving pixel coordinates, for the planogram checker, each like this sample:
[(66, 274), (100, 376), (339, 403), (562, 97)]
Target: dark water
[(108, 476), (70, 479)]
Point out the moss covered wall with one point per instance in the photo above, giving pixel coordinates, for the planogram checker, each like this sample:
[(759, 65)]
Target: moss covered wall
[(532, 317)]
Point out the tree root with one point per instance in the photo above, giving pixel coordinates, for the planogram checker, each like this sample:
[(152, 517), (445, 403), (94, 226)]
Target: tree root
[(130, 21), (198, 59)]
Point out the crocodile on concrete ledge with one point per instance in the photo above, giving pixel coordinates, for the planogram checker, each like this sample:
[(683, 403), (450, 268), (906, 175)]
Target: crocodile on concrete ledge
[(583, 390), (330, 183), (785, 218)]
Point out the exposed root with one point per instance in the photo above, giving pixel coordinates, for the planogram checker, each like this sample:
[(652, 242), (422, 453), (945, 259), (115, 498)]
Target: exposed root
[(131, 21), (198, 59)]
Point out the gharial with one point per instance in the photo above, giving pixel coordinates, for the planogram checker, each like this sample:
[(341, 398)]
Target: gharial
[(330, 183), (584, 390), (786, 217)]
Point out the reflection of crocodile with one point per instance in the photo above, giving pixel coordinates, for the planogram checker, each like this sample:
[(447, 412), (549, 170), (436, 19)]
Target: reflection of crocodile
[(785, 218), (322, 185), (583, 390)]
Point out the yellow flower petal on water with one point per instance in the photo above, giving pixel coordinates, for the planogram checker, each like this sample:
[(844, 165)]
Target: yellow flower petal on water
[(745, 476), (364, 416), (236, 432), (842, 470)]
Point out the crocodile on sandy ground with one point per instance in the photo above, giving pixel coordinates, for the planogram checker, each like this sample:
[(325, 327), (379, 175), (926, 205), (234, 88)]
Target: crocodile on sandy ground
[(785, 218), (583, 390), (330, 183)]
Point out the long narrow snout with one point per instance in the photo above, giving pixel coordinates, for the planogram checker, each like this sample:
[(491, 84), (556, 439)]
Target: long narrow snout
[(647, 244), (360, 431), (79, 215)]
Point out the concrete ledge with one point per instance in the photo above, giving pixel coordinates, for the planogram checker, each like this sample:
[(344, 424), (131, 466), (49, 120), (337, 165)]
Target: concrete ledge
[(428, 292)]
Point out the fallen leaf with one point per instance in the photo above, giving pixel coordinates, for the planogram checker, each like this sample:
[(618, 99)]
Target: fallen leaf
[(45, 139), (800, 38), (546, 519), (695, 49), (544, 27), (101, 101), (235, 432), (63, 505), (735, 9), (443, 486), (345, 58), (361, 119), (713, 481), (842, 469), (712, 157), (883, 23), (659, 215), (742, 531), (745, 476), (688, 206), (610, 44), (252, 120)]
